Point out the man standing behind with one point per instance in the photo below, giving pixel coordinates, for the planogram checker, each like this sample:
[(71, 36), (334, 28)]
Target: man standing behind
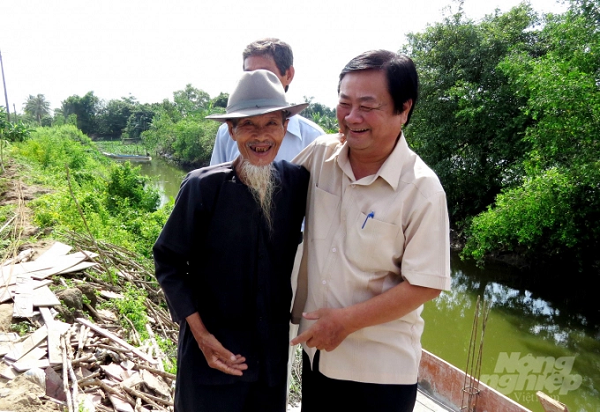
[(376, 246), (275, 56)]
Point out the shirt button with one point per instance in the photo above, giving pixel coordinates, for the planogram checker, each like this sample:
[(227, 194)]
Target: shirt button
[(324, 282), (334, 250)]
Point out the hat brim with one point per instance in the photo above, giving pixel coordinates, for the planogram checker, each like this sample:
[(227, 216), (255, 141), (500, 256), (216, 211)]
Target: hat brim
[(291, 110)]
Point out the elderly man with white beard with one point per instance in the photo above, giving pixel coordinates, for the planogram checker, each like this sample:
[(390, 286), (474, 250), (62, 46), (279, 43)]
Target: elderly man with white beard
[(225, 257)]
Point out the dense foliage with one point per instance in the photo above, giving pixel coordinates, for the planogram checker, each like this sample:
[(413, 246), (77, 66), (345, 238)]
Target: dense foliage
[(85, 109), (468, 125), (509, 118), (321, 115), (12, 131), (180, 131), (557, 207), (111, 201)]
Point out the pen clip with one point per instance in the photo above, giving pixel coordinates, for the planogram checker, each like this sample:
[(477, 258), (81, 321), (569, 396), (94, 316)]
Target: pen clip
[(370, 215)]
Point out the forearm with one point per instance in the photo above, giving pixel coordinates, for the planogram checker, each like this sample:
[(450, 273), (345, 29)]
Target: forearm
[(215, 354), (332, 326), (390, 305), (197, 327)]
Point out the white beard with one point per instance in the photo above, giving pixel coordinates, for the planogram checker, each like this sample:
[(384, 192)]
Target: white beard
[(260, 180)]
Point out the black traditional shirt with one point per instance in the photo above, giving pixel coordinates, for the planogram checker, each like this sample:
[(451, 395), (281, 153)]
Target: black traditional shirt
[(217, 256)]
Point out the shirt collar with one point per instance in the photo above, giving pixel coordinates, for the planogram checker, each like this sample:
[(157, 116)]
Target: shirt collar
[(390, 170), (293, 127)]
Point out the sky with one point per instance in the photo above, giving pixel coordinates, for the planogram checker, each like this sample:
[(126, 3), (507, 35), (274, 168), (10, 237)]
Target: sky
[(148, 48)]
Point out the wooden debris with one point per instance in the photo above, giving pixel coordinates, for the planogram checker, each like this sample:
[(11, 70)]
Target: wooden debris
[(23, 307), (116, 339), (28, 344), (44, 297), (21, 257), (57, 249), (549, 404), (86, 362)]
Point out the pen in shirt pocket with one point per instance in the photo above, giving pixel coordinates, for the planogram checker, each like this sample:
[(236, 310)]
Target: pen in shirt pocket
[(370, 215)]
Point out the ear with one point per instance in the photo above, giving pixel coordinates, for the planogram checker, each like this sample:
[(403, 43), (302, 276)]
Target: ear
[(288, 77), (405, 109), (230, 128), (285, 125)]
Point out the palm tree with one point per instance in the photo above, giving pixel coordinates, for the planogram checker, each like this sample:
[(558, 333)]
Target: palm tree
[(37, 107)]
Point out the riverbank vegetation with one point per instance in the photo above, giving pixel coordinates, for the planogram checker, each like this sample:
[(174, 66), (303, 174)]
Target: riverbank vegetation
[(89, 193), (508, 117)]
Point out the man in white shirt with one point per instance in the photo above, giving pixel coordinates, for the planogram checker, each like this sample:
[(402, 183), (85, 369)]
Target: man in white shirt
[(276, 56)]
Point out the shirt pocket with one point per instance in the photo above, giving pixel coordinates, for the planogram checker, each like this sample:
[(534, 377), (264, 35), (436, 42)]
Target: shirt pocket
[(371, 244), (326, 208)]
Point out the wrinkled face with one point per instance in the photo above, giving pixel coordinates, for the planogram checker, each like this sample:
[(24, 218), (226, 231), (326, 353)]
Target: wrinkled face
[(366, 116), (259, 137)]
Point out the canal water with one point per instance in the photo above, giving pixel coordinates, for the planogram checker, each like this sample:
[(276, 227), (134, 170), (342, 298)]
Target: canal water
[(531, 342), (165, 177)]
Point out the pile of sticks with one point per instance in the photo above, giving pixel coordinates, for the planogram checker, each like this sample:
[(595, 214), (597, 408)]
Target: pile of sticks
[(90, 365)]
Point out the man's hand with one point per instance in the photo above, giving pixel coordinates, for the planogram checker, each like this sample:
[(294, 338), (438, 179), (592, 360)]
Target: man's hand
[(329, 330), (332, 326), (220, 358), (215, 354)]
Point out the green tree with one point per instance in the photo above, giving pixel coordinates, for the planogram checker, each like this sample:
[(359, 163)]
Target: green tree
[(556, 211), (321, 115), (188, 141), (221, 100), (179, 129), (468, 125), (140, 120), (12, 132), (86, 109), (37, 107), (60, 118), (190, 100), (113, 117)]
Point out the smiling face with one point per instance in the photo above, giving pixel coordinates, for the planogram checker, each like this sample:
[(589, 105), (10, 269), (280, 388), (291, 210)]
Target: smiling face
[(259, 137), (366, 115)]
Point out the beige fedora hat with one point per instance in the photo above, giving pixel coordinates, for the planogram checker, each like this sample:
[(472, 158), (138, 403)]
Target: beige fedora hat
[(257, 92)]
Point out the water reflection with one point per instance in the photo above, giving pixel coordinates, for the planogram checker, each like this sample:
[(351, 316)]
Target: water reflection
[(521, 323)]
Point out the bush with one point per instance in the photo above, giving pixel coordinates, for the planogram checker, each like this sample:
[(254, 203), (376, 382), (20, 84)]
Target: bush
[(115, 200), (542, 218), (189, 140), (127, 188), (57, 147)]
